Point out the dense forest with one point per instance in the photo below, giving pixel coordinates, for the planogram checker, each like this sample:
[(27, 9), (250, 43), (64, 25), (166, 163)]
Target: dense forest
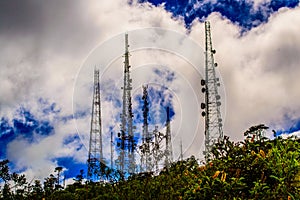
[(256, 168)]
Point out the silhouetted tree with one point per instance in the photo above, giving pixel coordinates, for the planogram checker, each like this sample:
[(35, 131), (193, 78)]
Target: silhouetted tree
[(37, 190), (58, 170), (4, 171), (49, 184)]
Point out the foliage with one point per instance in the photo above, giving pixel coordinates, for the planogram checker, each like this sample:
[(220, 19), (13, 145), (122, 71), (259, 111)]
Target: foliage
[(256, 168), (4, 171)]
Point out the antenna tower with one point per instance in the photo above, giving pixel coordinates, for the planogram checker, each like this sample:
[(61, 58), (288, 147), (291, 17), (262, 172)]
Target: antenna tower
[(181, 152), (126, 160), (212, 105), (145, 148), (111, 151), (168, 151), (157, 153), (95, 157)]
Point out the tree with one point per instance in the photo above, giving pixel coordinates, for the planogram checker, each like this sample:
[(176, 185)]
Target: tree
[(20, 184), (79, 178), (4, 171), (5, 176), (49, 184), (58, 170), (37, 190)]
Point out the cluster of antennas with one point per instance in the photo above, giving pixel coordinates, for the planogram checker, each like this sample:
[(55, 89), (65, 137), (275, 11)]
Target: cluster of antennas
[(218, 97), (155, 147), (153, 150), (150, 150)]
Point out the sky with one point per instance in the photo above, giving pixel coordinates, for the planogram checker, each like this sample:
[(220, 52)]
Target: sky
[(49, 49)]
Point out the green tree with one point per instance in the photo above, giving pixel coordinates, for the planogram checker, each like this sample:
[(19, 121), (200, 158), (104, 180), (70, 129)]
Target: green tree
[(37, 191), (4, 171), (49, 185), (58, 170), (5, 176), (19, 186)]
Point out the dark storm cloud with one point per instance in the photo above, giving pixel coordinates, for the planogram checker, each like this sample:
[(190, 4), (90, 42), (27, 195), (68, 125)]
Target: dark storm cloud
[(35, 34), (62, 25), (19, 16)]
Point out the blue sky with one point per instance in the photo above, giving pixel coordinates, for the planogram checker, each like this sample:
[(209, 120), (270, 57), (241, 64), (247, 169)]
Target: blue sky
[(245, 13), (44, 46)]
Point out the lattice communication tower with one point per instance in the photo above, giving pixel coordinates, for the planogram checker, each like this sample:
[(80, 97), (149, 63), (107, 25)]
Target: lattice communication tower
[(95, 157), (126, 144), (212, 105), (168, 151), (145, 147)]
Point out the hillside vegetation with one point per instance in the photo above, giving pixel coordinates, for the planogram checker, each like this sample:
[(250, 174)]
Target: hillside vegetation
[(256, 168)]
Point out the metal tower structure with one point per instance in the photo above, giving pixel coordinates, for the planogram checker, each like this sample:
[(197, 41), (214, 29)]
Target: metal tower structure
[(145, 148), (126, 159), (168, 150), (151, 149), (157, 152), (181, 151), (111, 151), (212, 105), (95, 157)]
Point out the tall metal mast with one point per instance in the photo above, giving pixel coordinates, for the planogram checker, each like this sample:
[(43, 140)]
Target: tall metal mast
[(146, 138), (181, 151), (95, 156), (126, 158), (111, 151), (212, 114), (168, 151)]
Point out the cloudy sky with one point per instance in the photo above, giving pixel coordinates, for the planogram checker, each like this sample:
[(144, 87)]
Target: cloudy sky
[(48, 51)]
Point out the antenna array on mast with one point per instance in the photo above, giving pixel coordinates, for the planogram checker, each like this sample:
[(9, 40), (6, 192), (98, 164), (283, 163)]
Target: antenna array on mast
[(212, 105), (168, 150), (145, 147), (126, 159)]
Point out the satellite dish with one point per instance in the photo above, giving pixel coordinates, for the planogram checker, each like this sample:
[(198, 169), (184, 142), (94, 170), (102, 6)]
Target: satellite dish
[(202, 82), (203, 90), (203, 105), (203, 114)]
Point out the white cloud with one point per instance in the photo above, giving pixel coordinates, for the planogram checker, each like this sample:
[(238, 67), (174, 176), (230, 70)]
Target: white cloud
[(297, 134), (259, 70)]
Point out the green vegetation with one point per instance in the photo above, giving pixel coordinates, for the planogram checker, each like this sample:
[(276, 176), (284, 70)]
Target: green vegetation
[(256, 168)]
